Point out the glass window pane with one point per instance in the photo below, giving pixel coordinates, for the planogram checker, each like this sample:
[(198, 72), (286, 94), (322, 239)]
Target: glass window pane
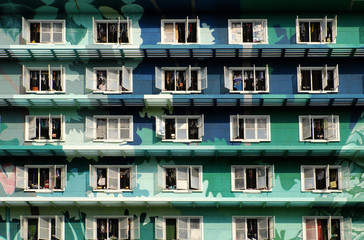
[(113, 129), (250, 128)]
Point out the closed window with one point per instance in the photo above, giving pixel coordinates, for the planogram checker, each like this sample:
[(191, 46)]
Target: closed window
[(326, 228), (180, 128), (253, 228), (44, 80), (43, 31), (324, 178), (248, 31), (44, 128), (109, 178), (181, 80), (252, 178), (249, 128), (113, 227), (109, 80), (180, 31), (319, 128), (187, 228), (318, 79), (112, 31), (247, 79), (180, 178), (319, 30), (42, 227)]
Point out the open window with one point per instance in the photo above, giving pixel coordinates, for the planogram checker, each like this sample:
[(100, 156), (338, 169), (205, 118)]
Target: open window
[(252, 178), (109, 80), (181, 80), (326, 227), (113, 227), (318, 79), (247, 79), (319, 128), (113, 178), (253, 228), (41, 178), (43, 31), (180, 128), (109, 128), (112, 31), (325, 178), (248, 31), (44, 128), (180, 178), (319, 30), (42, 227), (180, 31), (44, 80), (186, 228), (249, 128)]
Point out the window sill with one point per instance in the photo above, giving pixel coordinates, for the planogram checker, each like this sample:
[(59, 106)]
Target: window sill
[(45, 141), (180, 43), (324, 191), (318, 92), (252, 191), (48, 43), (250, 141), (320, 141), (248, 43), (316, 42), (43, 190), (180, 92), (96, 43), (113, 141), (111, 92), (113, 191), (181, 191), (46, 92), (248, 92), (182, 141)]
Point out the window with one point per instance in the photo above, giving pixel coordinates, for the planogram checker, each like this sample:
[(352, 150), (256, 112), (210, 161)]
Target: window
[(253, 228), (249, 128), (112, 227), (318, 79), (109, 80), (247, 79), (248, 31), (109, 128), (322, 30), (42, 177), (168, 228), (42, 227), (112, 31), (181, 80), (44, 128), (43, 31), (180, 128), (319, 128), (326, 228), (252, 178), (180, 178), (44, 80), (324, 178), (108, 178), (180, 31)]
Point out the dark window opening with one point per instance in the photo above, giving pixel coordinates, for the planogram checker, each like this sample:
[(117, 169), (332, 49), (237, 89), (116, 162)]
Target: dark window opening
[(171, 229), (241, 129), (237, 81), (318, 129), (58, 183), (57, 80), (56, 128), (112, 33), (170, 129), (35, 32), (248, 32), (249, 80), (322, 229), (330, 80), (124, 38), (329, 32), (316, 80), (333, 179), (181, 81), (101, 32), (260, 80), (251, 178), (180, 32), (192, 33), (169, 80), (33, 229), (124, 178), (305, 80), (34, 80), (101, 178), (53, 229), (171, 178), (194, 80), (101, 80), (42, 128), (252, 228), (304, 32), (33, 178), (192, 128), (335, 229), (321, 179), (315, 31), (102, 229)]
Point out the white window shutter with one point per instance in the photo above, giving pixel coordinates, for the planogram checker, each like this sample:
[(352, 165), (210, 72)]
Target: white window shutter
[(299, 78), (135, 228), (234, 128), (63, 78), (160, 127), (197, 29), (134, 175), (24, 228), (329, 127), (31, 127), (160, 232), (26, 78), (182, 178), (52, 177), (123, 228), (113, 178), (310, 229), (182, 228), (266, 78), (201, 127), (262, 176), (59, 227), (94, 26), (324, 29), (64, 177), (334, 29), (347, 228), (306, 127), (126, 78), (90, 79), (271, 221), (186, 29), (161, 178), (21, 178), (188, 78), (44, 228), (128, 27), (62, 126), (112, 80), (50, 78), (324, 77), (271, 177), (240, 229), (309, 178), (203, 78), (90, 228), (345, 177), (158, 78), (297, 30), (327, 176), (195, 175), (195, 229), (263, 228), (90, 128), (25, 30), (227, 80), (93, 177), (336, 77), (239, 178)]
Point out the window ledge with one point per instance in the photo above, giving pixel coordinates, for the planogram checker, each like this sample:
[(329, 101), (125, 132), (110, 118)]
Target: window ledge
[(248, 92), (38, 190), (113, 141), (96, 43), (45, 141), (249, 141), (325, 191), (46, 92), (252, 191), (179, 43), (319, 92), (110, 92), (182, 141), (113, 191), (321, 141), (180, 92), (47, 43), (181, 191), (316, 42), (248, 43)]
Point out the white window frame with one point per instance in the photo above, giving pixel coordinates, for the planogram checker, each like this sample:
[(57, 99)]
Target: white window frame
[(255, 22), (229, 79), (345, 226), (323, 29), (343, 178), (160, 127), (126, 224), (265, 186), (30, 128), (234, 130), (26, 79), (112, 85), (324, 79), (160, 227), (201, 79), (182, 183), (332, 120), (44, 231), (91, 127), (118, 21), (268, 221), (26, 30), (186, 21), (111, 175)]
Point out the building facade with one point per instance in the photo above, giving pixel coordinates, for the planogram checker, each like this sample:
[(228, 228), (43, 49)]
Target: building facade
[(181, 120)]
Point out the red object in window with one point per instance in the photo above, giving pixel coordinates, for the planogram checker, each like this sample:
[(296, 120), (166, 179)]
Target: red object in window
[(46, 184), (319, 230)]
